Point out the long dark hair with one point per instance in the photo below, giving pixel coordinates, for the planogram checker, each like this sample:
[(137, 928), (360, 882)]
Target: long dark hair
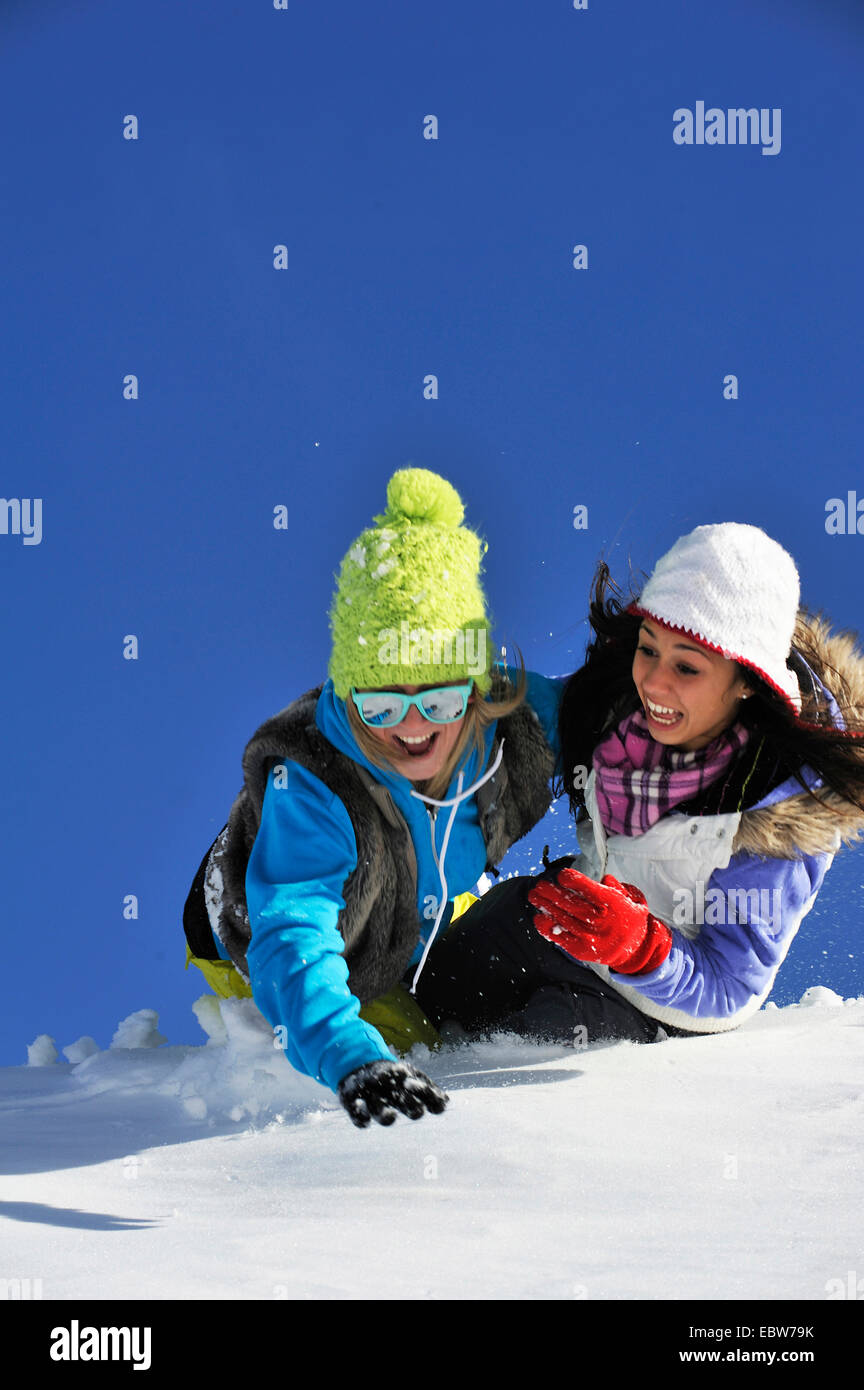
[(601, 693)]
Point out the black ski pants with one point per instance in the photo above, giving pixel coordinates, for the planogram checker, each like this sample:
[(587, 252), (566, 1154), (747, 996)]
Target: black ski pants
[(492, 971)]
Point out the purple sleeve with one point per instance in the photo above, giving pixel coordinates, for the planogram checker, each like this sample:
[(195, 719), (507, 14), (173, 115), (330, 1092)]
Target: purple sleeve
[(751, 912)]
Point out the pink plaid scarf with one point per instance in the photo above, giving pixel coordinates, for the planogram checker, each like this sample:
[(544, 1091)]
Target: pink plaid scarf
[(638, 780)]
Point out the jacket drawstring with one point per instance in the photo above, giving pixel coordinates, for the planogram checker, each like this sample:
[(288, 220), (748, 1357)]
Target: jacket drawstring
[(454, 803)]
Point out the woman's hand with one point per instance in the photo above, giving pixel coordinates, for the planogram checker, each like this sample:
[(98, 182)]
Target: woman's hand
[(378, 1089), (606, 922)]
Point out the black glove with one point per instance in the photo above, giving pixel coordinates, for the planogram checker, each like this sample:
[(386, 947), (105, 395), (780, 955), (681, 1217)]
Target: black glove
[(378, 1089)]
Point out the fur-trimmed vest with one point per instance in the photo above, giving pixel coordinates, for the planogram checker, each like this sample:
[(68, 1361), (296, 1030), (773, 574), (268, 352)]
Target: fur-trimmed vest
[(380, 923)]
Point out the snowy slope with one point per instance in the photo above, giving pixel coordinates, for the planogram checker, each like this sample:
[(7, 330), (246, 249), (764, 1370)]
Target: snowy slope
[(721, 1167)]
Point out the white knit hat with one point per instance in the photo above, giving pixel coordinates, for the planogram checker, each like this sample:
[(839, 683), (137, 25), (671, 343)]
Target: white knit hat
[(734, 590)]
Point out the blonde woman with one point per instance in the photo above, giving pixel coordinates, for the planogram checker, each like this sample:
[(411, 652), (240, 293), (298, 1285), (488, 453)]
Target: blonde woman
[(372, 804)]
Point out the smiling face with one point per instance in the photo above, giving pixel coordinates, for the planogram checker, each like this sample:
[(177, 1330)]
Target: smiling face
[(689, 694), (417, 748)]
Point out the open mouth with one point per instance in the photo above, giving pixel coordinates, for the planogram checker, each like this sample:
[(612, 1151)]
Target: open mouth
[(417, 747), (662, 715)]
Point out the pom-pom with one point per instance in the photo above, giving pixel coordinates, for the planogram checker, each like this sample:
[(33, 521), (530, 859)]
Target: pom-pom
[(420, 495)]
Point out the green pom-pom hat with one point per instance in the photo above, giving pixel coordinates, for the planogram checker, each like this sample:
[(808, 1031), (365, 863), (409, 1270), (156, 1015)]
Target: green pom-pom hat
[(408, 607)]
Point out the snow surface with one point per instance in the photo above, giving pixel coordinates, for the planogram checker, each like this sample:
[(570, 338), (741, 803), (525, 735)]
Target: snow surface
[(726, 1166)]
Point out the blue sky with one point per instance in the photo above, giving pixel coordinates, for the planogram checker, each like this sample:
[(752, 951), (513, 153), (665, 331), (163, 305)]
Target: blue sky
[(406, 256)]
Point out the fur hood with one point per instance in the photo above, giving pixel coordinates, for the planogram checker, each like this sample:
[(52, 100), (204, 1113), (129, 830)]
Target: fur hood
[(797, 824)]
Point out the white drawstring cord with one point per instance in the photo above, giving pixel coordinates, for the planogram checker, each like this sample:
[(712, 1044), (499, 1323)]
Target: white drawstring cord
[(453, 802)]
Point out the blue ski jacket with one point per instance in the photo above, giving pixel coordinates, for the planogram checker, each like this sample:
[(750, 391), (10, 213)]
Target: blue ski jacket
[(304, 851)]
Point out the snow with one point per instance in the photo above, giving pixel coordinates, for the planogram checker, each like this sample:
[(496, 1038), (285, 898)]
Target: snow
[(817, 995), (82, 1049), (138, 1030), (726, 1166), (42, 1051)]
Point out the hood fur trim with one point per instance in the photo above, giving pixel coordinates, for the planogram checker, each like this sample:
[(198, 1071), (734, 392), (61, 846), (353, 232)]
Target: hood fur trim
[(800, 824)]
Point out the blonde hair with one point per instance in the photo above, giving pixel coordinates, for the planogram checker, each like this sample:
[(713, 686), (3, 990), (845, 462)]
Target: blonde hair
[(476, 720)]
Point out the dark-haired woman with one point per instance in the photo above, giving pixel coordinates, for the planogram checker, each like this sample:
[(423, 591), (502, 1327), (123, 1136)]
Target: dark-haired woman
[(712, 753)]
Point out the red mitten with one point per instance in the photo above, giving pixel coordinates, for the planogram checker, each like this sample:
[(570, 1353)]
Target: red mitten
[(633, 893), (606, 922)]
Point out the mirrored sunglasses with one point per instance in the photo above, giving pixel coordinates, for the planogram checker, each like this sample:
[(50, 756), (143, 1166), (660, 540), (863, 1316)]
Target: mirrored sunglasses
[(381, 709)]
